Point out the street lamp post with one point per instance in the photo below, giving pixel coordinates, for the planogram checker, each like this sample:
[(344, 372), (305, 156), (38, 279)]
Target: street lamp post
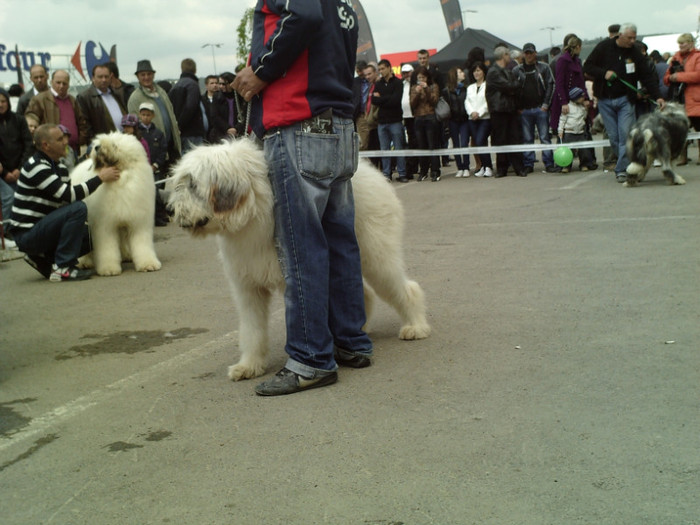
[(550, 29), (212, 53)]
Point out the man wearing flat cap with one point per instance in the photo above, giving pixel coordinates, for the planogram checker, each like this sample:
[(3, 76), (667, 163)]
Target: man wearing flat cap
[(164, 118)]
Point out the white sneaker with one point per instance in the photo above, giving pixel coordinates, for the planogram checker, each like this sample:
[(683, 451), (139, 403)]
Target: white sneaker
[(657, 163), (479, 173), (488, 172), (466, 173), (10, 244), (459, 174)]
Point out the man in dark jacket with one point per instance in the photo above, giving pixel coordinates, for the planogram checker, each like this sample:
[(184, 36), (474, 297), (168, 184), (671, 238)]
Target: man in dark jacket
[(611, 62), (300, 83), (102, 108), (40, 78), (502, 88), (387, 95), (535, 97), (188, 107)]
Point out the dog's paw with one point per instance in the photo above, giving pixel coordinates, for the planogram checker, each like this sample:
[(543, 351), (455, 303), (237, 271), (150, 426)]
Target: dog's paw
[(149, 266), (86, 261), (107, 271), (411, 332), (245, 371), (678, 180)]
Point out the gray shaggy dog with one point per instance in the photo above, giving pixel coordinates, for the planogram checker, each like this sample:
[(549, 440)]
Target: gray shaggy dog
[(661, 136)]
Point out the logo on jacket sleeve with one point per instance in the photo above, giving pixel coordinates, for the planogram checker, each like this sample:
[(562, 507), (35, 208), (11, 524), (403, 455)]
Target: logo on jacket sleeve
[(346, 15)]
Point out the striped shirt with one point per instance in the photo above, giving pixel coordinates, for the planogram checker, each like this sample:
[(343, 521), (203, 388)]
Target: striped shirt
[(43, 187)]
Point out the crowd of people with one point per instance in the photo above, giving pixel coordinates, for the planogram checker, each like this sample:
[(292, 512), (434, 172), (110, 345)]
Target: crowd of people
[(514, 98), (167, 120)]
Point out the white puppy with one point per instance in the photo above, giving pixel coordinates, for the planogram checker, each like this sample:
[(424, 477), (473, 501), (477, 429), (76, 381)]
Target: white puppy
[(225, 190), (120, 213)]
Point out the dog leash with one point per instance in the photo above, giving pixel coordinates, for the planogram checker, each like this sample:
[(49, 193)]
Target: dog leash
[(633, 88)]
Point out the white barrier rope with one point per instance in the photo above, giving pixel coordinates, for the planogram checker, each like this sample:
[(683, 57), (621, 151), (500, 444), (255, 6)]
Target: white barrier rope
[(493, 149), (481, 149)]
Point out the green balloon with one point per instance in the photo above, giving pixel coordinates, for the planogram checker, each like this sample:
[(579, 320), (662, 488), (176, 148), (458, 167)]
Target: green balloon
[(563, 156)]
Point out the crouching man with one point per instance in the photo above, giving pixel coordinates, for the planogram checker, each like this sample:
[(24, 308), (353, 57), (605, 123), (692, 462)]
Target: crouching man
[(48, 215)]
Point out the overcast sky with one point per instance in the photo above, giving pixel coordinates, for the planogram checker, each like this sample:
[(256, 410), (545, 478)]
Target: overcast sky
[(166, 31)]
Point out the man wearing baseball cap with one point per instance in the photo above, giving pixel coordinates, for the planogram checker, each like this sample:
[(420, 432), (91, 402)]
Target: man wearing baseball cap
[(535, 97)]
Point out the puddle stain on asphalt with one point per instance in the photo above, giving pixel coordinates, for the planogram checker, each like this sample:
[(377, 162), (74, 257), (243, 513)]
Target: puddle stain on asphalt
[(123, 446), (125, 342), (38, 444), (10, 421)]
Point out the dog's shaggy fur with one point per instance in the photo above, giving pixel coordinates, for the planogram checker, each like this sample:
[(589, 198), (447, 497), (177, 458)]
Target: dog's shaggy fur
[(660, 135), (120, 213), (224, 190)]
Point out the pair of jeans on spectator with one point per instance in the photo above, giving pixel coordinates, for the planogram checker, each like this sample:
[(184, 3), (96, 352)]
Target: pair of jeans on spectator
[(480, 129), (315, 237), (61, 236), (459, 131), (392, 134), (535, 118), (426, 127), (618, 117)]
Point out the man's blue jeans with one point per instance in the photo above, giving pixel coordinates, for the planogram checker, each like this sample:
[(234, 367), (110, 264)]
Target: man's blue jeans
[(618, 117), (315, 236), (7, 195), (536, 118), (392, 133), (61, 236)]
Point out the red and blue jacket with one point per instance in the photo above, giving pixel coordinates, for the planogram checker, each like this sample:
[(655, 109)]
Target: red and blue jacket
[(305, 50)]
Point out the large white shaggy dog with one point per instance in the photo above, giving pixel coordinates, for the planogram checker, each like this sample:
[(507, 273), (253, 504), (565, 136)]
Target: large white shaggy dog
[(224, 190), (660, 135), (120, 213)]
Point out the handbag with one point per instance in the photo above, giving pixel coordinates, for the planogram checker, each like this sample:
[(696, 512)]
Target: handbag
[(442, 110), (373, 116)]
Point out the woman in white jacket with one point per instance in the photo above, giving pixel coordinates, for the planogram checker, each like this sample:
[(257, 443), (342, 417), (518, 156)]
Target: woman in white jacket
[(479, 121)]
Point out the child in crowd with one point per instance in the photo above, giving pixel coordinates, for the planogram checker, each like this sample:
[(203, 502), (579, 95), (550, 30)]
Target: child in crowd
[(158, 152), (69, 160), (572, 128), (130, 123), (154, 137), (32, 123)]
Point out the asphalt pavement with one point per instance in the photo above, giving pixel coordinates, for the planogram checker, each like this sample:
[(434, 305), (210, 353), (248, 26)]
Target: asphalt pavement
[(560, 384)]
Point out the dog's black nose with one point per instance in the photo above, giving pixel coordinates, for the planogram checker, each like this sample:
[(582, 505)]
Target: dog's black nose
[(202, 222)]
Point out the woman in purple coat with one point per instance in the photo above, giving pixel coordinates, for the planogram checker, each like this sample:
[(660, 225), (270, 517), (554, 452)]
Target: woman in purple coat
[(569, 74)]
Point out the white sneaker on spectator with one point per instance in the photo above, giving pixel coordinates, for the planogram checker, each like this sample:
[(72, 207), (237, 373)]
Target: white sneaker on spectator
[(488, 172), (479, 173), (10, 244), (460, 173), (466, 173)]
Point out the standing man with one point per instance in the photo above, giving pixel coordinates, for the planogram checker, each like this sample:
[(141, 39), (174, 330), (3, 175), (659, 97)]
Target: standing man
[(164, 118), (188, 106), (56, 106), (387, 96), (611, 62), (300, 84), (40, 79), (408, 120), (537, 89), (103, 109), (502, 88), (120, 88), (48, 216), (211, 90)]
